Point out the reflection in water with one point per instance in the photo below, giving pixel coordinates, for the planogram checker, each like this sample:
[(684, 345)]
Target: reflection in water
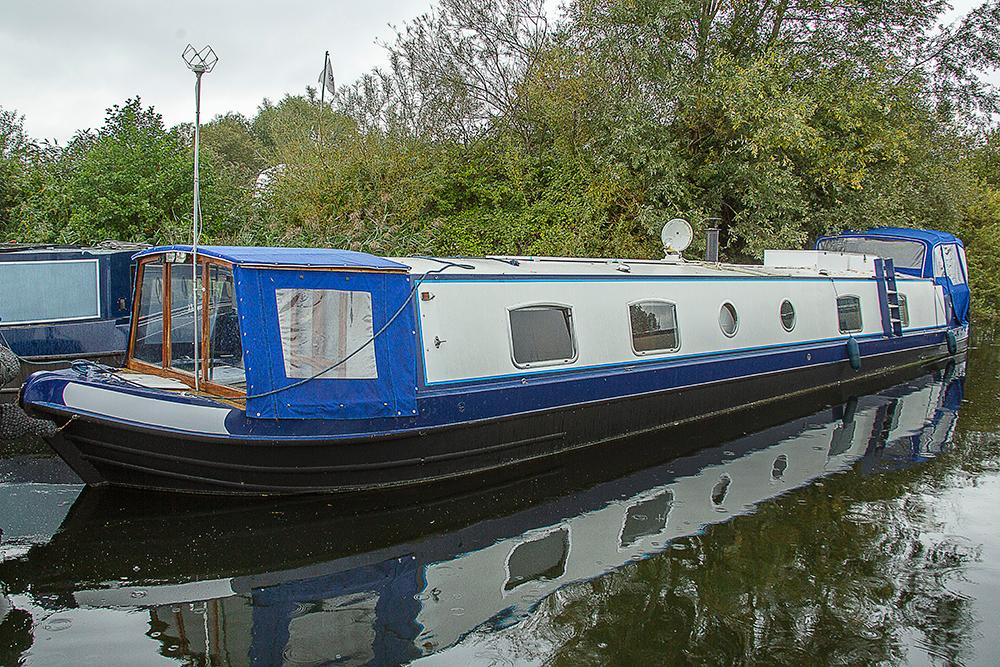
[(311, 585)]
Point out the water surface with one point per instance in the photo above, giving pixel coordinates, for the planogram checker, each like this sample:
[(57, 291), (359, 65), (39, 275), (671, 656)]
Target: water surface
[(857, 533)]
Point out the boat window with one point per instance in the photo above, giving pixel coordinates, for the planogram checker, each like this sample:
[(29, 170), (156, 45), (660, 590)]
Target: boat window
[(952, 267), (904, 254), (225, 349), (654, 326), (543, 559), (728, 320), (938, 263), (787, 314), (184, 329), (904, 311), (849, 314), (71, 294), (320, 328), (148, 343), (542, 335)]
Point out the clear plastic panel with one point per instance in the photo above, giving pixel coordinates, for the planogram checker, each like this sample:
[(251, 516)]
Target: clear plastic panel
[(322, 327), (185, 328), (904, 254), (225, 349), (148, 344)]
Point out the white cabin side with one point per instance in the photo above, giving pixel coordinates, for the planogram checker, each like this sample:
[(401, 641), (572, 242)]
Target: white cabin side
[(466, 331)]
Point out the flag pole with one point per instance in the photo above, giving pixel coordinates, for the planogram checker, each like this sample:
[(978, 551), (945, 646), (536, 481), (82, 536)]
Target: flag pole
[(322, 94)]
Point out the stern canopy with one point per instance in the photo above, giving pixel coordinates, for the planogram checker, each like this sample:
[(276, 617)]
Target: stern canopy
[(314, 328), (919, 252)]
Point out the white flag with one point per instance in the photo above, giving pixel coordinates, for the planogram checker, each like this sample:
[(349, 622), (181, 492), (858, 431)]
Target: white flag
[(326, 76)]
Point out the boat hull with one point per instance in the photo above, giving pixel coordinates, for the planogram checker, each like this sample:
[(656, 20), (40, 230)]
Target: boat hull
[(131, 455)]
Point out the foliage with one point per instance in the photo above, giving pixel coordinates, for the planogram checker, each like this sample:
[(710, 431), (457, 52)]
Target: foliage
[(496, 128)]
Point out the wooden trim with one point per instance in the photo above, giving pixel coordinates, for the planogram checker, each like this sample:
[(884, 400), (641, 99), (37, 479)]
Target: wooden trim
[(204, 321), (167, 319), (134, 324), (210, 388)]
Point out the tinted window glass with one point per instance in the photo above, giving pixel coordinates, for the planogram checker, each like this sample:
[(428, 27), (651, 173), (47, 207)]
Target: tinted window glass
[(542, 334), (849, 314), (320, 328), (148, 344), (728, 320), (70, 294), (225, 350), (787, 315), (654, 326)]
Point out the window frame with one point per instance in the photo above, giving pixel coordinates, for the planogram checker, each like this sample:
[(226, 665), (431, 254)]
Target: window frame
[(547, 363), (904, 309), (861, 318), (736, 319), (677, 328), (79, 318), (795, 315), (164, 369)]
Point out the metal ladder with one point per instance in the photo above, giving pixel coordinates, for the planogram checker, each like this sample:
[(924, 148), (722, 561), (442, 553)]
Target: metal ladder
[(888, 297)]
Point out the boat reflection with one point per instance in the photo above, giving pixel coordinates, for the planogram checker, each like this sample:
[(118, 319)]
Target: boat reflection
[(297, 583)]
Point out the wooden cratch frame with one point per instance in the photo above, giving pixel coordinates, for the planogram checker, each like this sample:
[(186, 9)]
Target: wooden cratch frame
[(165, 369)]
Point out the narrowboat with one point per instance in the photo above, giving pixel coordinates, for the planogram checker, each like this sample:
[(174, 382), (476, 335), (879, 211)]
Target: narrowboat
[(283, 370), (59, 304), (384, 590)]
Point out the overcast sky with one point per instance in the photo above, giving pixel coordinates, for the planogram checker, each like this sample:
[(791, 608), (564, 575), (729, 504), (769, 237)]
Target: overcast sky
[(63, 62)]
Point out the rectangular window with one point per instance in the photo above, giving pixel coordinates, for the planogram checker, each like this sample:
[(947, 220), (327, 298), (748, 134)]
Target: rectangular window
[(320, 328), (185, 328), (849, 314), (654, 327), (148, 343), (225, 348), (71, 291), (542, 335), (904, 311), (952, 265), (904, 254)]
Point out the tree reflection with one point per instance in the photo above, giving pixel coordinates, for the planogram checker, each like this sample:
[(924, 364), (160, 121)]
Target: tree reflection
[(839, 573)]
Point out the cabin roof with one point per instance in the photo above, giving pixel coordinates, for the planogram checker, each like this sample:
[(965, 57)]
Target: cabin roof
[(306, 257)]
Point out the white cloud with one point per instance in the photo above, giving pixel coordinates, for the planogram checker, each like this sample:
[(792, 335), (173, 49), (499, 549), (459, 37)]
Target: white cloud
[(62, 63)]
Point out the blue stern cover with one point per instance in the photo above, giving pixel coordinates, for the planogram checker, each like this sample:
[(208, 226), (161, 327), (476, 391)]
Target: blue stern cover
[(308, 345)]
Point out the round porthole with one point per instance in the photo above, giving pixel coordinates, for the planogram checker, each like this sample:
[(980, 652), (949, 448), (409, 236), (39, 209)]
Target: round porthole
[(728, 320), (787, 315)]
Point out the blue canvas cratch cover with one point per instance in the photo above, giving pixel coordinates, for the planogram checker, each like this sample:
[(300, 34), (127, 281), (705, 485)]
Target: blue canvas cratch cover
[(317, 338), (312, 331), (943, 260)]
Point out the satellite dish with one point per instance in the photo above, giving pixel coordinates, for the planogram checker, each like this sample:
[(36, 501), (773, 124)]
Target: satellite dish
[(676, 236)]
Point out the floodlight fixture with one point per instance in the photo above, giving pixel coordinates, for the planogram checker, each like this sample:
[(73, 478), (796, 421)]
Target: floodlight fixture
[(199, 61)]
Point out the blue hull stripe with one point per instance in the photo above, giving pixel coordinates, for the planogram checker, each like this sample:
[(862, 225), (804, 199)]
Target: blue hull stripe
[(466, 404)]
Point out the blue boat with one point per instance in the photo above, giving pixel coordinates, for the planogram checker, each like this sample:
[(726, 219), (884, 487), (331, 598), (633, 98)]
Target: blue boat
[(59, 304), (283, 370)]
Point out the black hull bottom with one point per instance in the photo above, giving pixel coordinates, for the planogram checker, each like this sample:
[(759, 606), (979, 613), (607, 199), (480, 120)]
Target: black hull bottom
[(675, 422)]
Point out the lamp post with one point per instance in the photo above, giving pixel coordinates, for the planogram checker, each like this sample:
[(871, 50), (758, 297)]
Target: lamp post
[(200, 62)]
